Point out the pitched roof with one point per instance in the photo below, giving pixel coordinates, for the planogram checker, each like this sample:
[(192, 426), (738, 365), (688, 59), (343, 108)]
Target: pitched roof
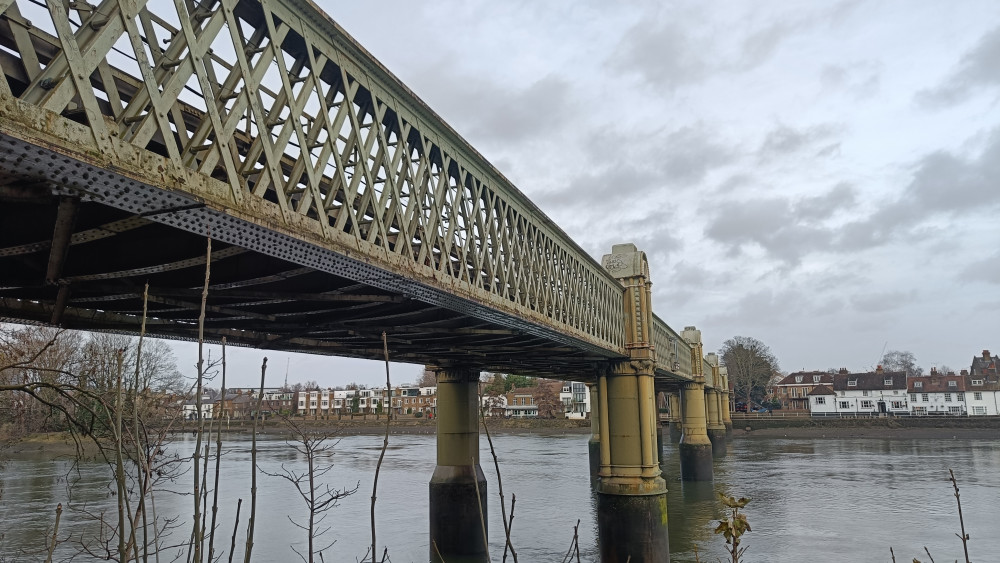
[(985, 363), (822, 390), (807, 377), (871, 381), (989, 383), (936, 384)]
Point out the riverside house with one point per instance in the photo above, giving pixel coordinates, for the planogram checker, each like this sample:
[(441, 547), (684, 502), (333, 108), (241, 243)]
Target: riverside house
[(878, 392), (983, 385), (937, 393), (793, 390)]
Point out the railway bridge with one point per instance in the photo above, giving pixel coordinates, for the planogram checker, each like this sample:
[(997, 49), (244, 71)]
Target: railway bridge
[(339, 206)]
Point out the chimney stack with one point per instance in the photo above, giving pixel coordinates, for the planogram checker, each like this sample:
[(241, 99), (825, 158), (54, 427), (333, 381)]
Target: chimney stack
[(965, 372), (843, 371), (879, 370), (934, 371), (986, 355)]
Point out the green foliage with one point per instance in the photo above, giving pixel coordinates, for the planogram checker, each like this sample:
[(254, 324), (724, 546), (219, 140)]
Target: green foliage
[(418, 414), (734, 526), (501, 384)]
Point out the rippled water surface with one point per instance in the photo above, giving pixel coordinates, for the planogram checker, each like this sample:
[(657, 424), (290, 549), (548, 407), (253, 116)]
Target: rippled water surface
[(813, 500)]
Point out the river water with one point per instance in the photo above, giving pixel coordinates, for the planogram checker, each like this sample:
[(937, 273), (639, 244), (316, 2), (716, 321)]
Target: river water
[(813, 499)]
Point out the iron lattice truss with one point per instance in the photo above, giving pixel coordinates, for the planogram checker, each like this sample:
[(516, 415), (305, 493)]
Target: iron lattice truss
[(263, 123)]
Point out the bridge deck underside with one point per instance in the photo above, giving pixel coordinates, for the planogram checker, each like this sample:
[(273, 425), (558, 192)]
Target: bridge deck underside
[(83, 265)]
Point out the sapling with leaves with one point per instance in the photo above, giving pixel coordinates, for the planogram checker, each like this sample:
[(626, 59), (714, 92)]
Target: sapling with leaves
[(734, 525)]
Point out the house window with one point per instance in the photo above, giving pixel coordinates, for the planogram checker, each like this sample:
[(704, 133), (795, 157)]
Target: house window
[(816, 379), (820, 400), (913, 397), (952, 384), (845, 405), (841, 393), (918, 384), (898, 405), (852, 383), (865, 393), (887, 381), (978, 395), (798, 379), (979, 410), (959, 396), (977, 381), (955, 410), (924, 398), (867, 405), (947, 397)]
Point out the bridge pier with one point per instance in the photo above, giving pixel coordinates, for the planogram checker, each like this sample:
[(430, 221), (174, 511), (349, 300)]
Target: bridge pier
[(458, 487), (676, 422), (727, 419), (713, 402), (631, 492), (695, 447), (594, 443)]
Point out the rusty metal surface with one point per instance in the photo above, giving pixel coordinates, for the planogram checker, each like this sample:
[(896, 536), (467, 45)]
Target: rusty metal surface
[(265, 126)]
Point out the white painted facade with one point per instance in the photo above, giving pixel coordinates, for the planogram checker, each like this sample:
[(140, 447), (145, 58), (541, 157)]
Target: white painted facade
[(980, 399), (575, 399)]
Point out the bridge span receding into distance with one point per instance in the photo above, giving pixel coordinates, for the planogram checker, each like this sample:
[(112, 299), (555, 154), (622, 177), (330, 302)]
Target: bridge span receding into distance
[(339, 207)]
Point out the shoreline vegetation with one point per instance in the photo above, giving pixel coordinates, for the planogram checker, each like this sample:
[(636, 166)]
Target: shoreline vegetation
[(61, 444)]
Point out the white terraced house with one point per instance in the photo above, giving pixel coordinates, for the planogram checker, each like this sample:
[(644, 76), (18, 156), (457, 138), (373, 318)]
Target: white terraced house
[(937, 394)]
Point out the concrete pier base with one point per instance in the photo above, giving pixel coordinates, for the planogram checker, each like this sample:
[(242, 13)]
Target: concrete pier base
[(594, 449), (456, 528), (676, 430), (633, 528), (696, 462), (717, 435)]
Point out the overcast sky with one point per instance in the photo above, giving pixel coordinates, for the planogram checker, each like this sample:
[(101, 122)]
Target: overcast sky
[(821, 176)]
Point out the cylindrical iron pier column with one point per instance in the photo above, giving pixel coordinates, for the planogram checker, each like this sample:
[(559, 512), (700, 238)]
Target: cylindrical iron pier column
[(458, 488), (695, 448)]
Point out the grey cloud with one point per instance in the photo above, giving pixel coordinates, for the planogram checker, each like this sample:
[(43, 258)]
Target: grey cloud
[(785, 140), (987, 270), (512, 116), (769, 223), (786, 230), (842, 196), (645, 164), (686, 155), (829, 151), (760, 45), (669, 56), (978, 69), (487, 112), (942, 184), (770, 307), (860, 80), (661, 53), (882, 302)]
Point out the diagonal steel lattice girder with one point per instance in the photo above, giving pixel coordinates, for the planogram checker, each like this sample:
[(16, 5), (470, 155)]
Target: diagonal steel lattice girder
[(262, 124)]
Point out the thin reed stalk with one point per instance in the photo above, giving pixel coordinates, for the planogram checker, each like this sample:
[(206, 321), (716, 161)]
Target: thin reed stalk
[(218, 460), (197, 556), (385, 441), (961, 521), (253, 471)]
